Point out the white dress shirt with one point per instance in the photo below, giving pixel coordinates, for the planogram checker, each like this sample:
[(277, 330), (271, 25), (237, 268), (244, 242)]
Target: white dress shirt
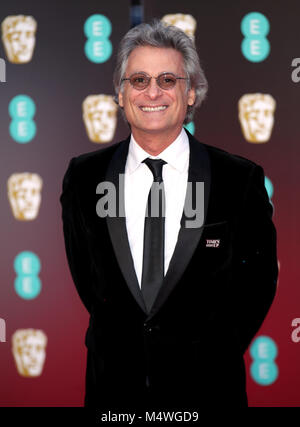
[(138, 181)]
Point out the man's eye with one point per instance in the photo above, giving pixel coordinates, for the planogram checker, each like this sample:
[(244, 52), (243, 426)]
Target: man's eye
[(168, 80), (140, 79)]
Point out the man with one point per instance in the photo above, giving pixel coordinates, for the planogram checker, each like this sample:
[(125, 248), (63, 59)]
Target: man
[(171, 316)]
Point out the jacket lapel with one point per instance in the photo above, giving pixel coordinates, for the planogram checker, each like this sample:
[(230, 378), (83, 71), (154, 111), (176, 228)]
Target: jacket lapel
[(117, 225), (188, 238)]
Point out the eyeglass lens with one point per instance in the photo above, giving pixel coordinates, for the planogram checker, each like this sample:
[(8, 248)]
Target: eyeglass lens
[(165, 81)]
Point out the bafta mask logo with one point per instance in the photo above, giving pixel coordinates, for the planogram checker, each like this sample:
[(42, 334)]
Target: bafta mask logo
[(256, 115), (29, 351), (187, 23), (100, 117), (24, 194), (18, 35)]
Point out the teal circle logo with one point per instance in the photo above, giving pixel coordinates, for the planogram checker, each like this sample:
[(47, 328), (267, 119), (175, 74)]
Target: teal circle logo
[(190, 127), (22, 128), (263, 348), (255, 45), (270, 190), (27, 287), (97, 29), (21, 107), (98, 51), (265, 373), (27, 263), (97, 26), (255, 50), (269, 187), (22, 131), (263, 351), (255, 24), (27, 283)]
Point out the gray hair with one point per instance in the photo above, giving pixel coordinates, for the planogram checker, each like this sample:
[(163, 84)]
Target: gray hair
[(157, 34)]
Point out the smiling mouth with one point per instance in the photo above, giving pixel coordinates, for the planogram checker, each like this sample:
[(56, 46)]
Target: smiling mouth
[(154, 109)]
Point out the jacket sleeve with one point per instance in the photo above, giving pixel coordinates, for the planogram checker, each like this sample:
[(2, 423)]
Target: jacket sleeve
[(76, 244), (255, 260)]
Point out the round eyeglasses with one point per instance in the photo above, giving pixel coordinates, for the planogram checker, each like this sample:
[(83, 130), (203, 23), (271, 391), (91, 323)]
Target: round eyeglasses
[(166, 81)]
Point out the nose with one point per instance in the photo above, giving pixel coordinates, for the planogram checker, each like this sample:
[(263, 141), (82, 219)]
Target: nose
[(153, 90)]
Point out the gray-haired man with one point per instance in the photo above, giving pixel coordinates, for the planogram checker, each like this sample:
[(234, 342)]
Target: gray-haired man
[(173, 307)]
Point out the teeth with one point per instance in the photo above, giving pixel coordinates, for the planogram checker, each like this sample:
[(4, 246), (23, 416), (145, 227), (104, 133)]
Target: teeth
[(162, 107)]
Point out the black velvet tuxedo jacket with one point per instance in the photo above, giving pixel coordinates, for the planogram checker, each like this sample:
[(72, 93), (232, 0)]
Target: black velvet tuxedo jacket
[(188, 351)]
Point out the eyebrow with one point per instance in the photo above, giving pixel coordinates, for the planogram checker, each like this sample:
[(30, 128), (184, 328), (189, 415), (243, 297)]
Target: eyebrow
[(144, 72)]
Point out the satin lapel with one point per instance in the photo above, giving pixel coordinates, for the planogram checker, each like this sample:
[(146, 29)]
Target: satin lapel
[(188, 238), (117, 225)]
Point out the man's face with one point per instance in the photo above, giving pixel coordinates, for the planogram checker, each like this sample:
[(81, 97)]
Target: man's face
[(168, 121)]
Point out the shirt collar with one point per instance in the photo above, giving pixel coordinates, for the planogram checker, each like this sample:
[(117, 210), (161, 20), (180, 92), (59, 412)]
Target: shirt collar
[(176, 154)]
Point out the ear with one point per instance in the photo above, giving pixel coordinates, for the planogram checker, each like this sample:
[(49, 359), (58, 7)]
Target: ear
[(191, 97), (120, 99)]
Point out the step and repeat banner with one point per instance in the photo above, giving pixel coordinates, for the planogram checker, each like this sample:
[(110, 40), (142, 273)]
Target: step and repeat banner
[(57, 101)]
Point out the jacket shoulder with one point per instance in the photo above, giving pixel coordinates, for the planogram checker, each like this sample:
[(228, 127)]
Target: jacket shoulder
[(231, 172), (232, 169), (223, 160), (98, 157), (227, 159), (88, 167), (95, 163)]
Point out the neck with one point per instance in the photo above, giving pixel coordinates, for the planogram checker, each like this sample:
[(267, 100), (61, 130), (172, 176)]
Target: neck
[(154, 144)]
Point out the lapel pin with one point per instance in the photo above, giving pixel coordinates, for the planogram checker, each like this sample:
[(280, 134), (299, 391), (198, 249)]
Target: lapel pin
[(212, 243)]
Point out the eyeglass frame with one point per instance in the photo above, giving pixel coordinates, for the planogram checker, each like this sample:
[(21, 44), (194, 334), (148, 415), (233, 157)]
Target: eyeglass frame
[(156, 78)]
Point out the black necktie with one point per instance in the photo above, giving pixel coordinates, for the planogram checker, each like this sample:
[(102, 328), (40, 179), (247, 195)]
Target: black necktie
[(154, 235)]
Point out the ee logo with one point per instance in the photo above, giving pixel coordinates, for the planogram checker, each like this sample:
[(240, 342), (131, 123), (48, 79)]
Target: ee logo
[(190, 127), (27, 283), (270, 190), (22, 128), (263, 369), (255, 46), (98, 47)]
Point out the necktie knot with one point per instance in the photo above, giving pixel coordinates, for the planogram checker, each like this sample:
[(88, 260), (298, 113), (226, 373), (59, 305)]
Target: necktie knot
[(155, 165)]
